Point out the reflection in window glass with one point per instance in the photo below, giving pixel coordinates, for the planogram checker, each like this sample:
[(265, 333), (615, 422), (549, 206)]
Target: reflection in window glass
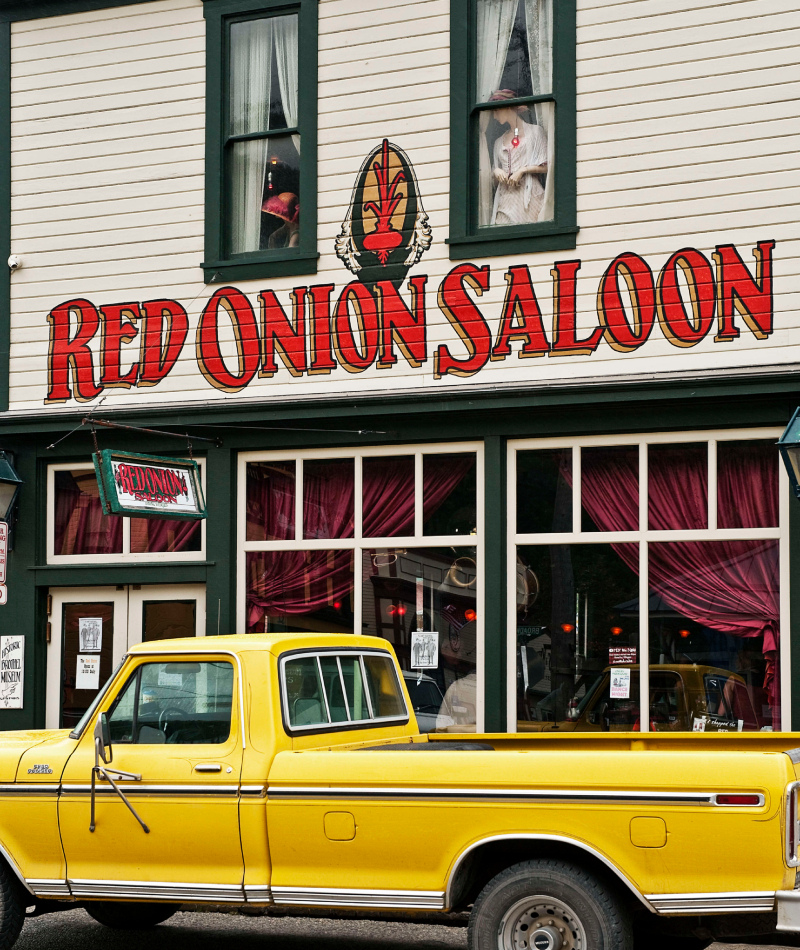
[(304, 697), (577, 628), (334, 691), (384, 690), (328, 495), (175, 703), (88, 630), (449, 494), (443, 582), (299, 590), (610, 488), (515, 142), (747, 484), (678, 486), (79, 525), (715, 619), (263, 171), (159, 535), (388, 496), (270, 501), (544, 491), (355, 691)]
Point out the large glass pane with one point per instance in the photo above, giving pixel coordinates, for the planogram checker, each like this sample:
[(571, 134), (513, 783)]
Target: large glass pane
[(610, 488), (449, 494), (168, 619), (79, 525), (747, 484), (158, 535), (678, 486), (305, 699), (514, 47), (334, 690), (328, 490), (270, 501), (544, 491), (299, 590), (423, 601), (86, 657), (384, 690), (577, 637), (714, 634), (388, 496)]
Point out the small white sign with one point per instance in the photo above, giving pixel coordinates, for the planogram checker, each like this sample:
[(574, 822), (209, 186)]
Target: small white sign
[(620, 683), (3, 550), (90, 634), (12, 671), (698, 725), (3, 595), (424, 650), (87, 675)]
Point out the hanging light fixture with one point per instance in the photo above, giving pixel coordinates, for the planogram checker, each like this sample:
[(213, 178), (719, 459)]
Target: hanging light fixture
[(9, 486), (789, 445)]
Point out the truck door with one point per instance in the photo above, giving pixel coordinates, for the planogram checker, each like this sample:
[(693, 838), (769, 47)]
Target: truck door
[(175, 729)]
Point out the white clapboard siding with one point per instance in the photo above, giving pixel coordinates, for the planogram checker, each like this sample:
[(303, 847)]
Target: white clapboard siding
[(687, 133)]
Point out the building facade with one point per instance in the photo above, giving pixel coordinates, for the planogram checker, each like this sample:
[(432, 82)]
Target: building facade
[(477, 316)]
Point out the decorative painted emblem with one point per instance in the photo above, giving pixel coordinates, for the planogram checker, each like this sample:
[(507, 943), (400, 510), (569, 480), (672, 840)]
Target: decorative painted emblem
[(386, 229)]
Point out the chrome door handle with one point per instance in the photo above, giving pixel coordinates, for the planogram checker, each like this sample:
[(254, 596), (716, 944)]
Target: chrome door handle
[(208, 767)]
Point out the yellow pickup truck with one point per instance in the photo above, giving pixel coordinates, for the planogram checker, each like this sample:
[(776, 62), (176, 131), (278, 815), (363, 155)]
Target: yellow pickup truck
[(288, 770)]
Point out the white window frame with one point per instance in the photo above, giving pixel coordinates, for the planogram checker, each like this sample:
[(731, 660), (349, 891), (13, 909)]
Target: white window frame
[(125, 554), (643, 537), (358, 542)]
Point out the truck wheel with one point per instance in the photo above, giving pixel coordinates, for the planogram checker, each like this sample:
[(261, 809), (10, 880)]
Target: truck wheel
[(547, 905), (124, 916), (12, 908)]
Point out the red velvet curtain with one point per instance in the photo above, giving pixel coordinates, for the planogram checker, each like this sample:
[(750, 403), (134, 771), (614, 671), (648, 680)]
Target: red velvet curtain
[(299, 582), (729, 586), (80, 527)]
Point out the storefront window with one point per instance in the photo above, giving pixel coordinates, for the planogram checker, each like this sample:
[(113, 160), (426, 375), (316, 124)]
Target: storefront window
[(422, 596), (710, 636)]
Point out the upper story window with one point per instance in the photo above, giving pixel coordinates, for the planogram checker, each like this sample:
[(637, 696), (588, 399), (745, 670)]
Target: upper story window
[(513, 133), (261, 139), (79, 531)]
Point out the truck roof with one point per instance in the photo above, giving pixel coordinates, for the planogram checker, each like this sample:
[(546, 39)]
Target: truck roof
[(275, 643)]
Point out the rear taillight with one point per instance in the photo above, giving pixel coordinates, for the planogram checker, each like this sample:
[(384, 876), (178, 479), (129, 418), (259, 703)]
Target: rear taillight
[(739, 799), (792, 828)]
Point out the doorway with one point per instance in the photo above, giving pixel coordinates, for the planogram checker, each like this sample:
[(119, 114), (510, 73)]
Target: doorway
[(91, 629)]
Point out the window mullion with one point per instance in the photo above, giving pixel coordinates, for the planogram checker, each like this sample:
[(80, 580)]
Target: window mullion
[(644, 595), (712, 484)]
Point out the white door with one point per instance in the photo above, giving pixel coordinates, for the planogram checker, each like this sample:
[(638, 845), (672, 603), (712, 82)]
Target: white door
[(91, 628)]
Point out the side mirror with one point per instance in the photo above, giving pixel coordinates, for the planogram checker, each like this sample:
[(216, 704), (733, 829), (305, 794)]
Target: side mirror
[(102, 738)]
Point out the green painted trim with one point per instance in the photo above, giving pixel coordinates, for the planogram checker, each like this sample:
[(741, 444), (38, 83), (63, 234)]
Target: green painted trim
[(5, 210), (495, 584), (794, 605), (104, 575), (221, 473), (466, 239), (14, 10), (217, 266)]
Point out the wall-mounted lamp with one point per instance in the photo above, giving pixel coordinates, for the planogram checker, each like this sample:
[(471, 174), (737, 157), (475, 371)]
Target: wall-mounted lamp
[(789, 445), (9, 486)]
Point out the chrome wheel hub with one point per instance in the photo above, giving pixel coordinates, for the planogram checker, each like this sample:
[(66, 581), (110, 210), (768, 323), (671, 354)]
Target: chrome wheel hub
[(541, 923)]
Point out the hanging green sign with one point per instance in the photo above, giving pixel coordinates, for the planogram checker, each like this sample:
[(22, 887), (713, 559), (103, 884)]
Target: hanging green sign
[(148, 486)]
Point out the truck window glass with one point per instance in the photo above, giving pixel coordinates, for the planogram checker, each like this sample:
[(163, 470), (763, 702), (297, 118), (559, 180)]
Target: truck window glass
[(354, 685), (387, 701), (183, 703), (304, 696)]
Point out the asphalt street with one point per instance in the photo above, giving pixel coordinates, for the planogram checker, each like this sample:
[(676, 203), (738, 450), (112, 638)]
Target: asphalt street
[(75, 930)]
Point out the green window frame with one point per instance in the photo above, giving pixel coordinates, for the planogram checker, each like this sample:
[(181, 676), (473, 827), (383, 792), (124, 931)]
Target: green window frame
[(467, 239), (220, 265)]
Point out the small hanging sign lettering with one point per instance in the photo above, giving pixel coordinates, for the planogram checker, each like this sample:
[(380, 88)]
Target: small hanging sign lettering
[(148, 486)]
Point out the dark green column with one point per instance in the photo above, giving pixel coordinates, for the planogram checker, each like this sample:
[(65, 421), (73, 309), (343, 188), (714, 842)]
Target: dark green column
[(221, 542), (794, 606), (495, 572)]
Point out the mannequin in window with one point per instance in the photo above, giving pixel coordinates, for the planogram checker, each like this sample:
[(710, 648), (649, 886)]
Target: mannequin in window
[(520, 155), (286, 207)]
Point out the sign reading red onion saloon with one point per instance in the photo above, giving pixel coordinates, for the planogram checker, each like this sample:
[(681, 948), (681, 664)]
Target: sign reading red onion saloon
[(148, 486)]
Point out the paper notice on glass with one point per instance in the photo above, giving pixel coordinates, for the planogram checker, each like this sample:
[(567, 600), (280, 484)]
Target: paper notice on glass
[(90, 634), (620, 683), (12, 672), (87, 675), (424, 650), (698, 725)]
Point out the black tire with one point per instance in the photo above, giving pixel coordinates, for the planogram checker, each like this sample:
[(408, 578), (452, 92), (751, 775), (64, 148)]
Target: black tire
[(555, 901), (121, 915), (12, 908)]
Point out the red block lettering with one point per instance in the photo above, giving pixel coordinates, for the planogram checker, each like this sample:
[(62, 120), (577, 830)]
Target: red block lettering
[(522, 318), (565, 332), (165, 326), (116, 331), (621, 334), (280, 335), (245, 331), (351, 357), (737, 290), (678, 327), (400, 325), (466, 319), (65, 352)]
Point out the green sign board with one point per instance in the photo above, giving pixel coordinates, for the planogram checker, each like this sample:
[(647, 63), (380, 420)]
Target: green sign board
[(148, 486)]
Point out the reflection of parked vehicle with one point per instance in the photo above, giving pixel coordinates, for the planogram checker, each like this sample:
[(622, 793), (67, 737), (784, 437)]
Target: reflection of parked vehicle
[(682, 698), (427, 699)]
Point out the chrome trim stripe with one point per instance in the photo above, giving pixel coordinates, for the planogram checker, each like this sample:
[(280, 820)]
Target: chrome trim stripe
[(792, 802), (258, 893), (156, 890), (253, 791), (208, 651), (347, 897), (743, 902), (277, 793), (46, 887), (30, 788), (563, 839), (132, 788)]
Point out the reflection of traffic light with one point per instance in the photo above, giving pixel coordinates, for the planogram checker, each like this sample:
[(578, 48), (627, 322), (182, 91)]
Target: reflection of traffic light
[(337, 605), (567, 627), (684, 634), (398, 609), (469, 615), (616, 631)]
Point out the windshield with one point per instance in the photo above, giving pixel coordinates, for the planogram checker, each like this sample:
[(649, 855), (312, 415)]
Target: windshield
[(78, 730)]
